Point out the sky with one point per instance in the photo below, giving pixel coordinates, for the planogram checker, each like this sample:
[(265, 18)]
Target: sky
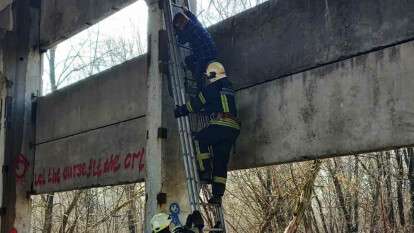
[(129, 23)]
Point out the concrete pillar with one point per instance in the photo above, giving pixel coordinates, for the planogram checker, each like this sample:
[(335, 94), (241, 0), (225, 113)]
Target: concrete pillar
[(21, 80), (154, 147), (163, 161)]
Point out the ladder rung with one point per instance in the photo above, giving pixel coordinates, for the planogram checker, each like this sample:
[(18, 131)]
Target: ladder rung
[(176, 5), (210, 204)]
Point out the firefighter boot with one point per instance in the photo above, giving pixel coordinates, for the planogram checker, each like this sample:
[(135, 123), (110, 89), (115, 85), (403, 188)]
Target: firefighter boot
[(205, 177), (215, 200)]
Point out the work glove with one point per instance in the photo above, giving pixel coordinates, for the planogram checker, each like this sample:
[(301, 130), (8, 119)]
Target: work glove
[(181, 111)]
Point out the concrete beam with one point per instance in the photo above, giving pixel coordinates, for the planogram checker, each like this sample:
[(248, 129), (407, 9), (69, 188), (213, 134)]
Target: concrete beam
[(358, 105), (110, 155), (104, 99), (282, 37), (91, 121), (61, 19)]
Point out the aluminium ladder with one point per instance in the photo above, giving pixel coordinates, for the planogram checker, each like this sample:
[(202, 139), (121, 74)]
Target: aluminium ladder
[(188, 124)]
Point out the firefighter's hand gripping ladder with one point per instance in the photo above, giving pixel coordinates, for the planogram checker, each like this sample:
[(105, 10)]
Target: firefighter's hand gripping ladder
[(177, 72)]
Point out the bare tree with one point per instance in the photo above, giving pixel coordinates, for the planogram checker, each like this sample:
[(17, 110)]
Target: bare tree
[(304, 200)]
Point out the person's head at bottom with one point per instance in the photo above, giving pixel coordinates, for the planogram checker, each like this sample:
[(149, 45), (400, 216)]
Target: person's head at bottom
[(161, 223)]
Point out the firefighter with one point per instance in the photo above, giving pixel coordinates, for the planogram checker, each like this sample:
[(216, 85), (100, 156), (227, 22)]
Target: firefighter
[(204, 51), (217, 100), (161, 223)]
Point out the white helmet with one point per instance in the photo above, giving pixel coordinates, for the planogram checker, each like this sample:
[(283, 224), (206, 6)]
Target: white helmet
[(215, 71), (160, 222)]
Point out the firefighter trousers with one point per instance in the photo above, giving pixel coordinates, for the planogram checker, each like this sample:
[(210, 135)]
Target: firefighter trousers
[(218, 140)]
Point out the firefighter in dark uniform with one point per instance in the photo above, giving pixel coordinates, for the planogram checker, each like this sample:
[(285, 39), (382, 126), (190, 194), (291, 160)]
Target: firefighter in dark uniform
[(204, 51), (217, 99)]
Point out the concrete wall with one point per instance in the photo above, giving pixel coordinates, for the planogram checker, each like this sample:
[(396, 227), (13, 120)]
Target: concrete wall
[(106, 156), (61, 19), (104, 99), (281, 37), (96, 121), (358, 105)]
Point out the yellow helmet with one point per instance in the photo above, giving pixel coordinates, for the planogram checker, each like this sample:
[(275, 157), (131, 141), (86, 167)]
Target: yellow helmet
[(215, 71), (160, 222)]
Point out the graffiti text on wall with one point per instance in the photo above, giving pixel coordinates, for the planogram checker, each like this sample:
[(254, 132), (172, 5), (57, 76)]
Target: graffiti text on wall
[(93, 168)]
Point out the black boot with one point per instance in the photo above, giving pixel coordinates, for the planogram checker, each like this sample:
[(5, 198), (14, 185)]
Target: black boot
[(205, 177), (215, 200), (217, 226)]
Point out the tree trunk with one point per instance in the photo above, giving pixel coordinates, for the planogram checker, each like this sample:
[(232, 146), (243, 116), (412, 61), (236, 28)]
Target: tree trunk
[(52, 68), (410, 153), (341, 199), (390, 206), (304, 200), (47, 226), (68, 211), (89, 219), (375, 199), (356, 194), (132, 210), (400, 197), (321, 214), (314, 221)]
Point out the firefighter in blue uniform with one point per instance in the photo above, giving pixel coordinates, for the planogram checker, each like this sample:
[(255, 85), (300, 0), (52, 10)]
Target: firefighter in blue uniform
[(217, 100), (204, 51)]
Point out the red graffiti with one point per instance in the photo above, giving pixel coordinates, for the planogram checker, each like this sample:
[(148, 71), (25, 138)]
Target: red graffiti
[(94, 168), (53, 176), (21, 167), (13, 230), (133, 158), (112, 164), (39, 180)]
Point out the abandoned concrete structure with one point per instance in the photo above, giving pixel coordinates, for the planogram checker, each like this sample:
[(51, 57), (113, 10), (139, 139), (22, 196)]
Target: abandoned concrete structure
[(332, 78)]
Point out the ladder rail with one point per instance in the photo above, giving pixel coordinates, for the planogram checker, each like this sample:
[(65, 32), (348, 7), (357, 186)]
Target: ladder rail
[(177, 56), (183, 122), (187, 125)]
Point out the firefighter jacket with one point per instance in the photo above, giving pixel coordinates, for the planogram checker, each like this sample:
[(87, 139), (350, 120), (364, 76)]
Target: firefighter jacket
[(203, 47), (218, 101)]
